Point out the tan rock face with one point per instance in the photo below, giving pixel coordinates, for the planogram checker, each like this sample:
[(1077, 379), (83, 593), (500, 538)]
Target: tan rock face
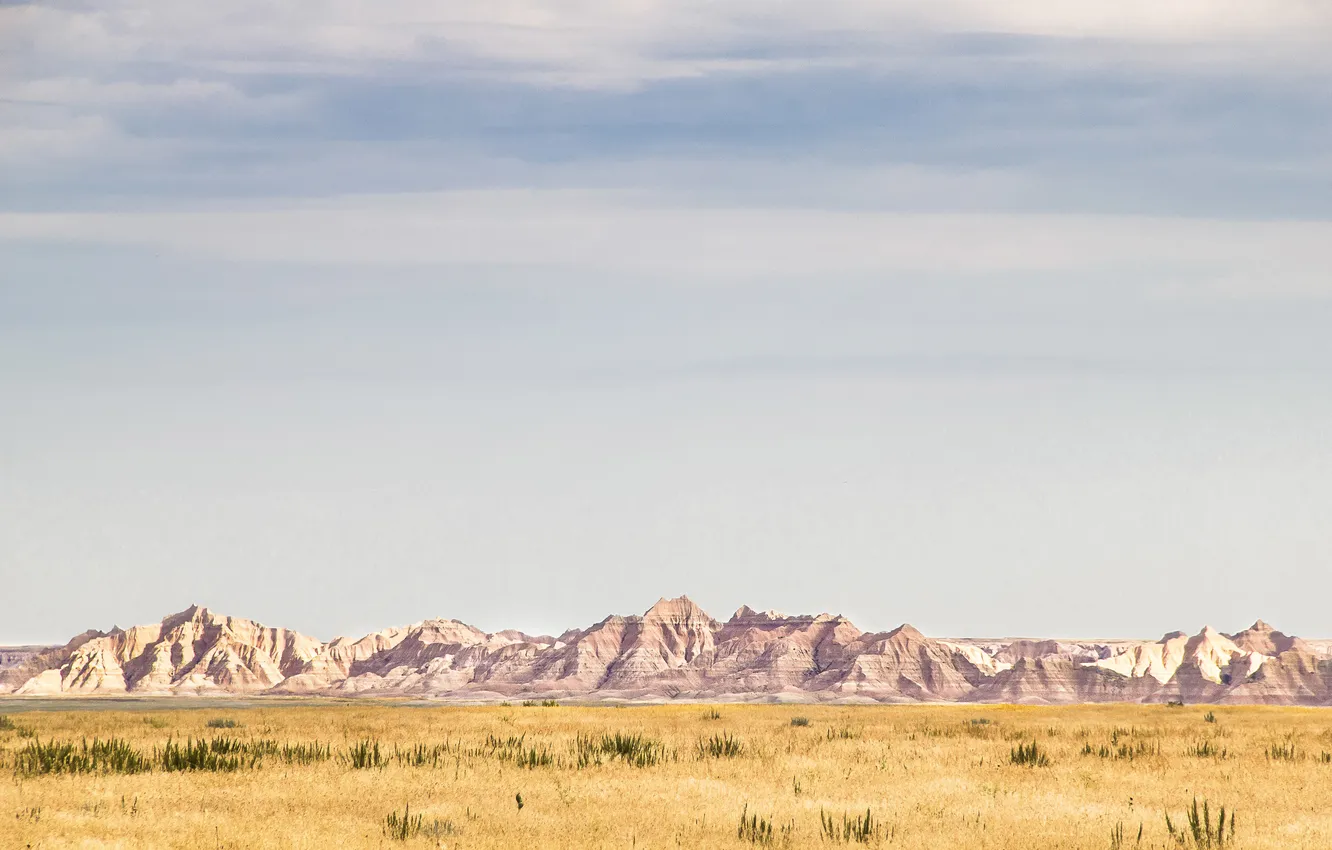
[(193, 651), (33, 661), (1263, 639), (674, 650)]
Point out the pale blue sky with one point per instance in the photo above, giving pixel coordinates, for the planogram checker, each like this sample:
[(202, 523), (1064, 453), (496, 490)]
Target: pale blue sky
[(994, 318)]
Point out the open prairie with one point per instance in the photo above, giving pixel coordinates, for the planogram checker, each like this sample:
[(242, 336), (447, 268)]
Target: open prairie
[(317, 774)]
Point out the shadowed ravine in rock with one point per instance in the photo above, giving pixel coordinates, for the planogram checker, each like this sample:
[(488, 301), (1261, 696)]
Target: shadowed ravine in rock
[(674, 651)]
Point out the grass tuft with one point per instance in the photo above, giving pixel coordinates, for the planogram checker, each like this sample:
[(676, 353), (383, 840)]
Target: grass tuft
[(1201, 833), (1282, 752), (1117, 838), (762, 831), (305, 753), (113, 755), (406, 826), (1207, 750), (366, 754), (222, 754), (634, 749), (722, 746), (1029, 755), (859, 829)]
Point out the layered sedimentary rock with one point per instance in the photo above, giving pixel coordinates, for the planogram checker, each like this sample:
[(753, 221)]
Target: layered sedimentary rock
[(675, 650), (195, 651), (24, 664)]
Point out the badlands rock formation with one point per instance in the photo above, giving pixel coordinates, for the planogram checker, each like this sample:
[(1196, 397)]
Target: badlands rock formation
[(673, 651)]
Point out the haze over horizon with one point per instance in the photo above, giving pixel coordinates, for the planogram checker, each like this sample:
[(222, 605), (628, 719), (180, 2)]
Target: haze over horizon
[(995, 319)]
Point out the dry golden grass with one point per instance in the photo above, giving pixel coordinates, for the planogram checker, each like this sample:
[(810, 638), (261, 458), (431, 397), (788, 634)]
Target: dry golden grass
[(932, 776)]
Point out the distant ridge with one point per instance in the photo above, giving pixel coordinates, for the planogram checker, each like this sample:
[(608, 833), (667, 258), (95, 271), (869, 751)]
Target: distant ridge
[(673, 651)]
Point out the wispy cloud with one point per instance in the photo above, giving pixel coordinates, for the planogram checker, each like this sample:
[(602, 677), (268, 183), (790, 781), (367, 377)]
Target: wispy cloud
[(140, 97), (838, 137), (618, 42), (609, 232)]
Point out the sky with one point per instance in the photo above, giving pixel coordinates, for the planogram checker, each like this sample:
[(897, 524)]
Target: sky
[(996, 318)]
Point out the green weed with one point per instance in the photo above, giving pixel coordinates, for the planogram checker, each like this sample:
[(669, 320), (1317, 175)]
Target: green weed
[(406, 826), (761, 831), (1029, 755), (222, 754), (724, 745), (860, 829), (113, 755), (365, 755), (1201, 834), (634, 749), (305, 754), (1282, 752), (1207, 750)]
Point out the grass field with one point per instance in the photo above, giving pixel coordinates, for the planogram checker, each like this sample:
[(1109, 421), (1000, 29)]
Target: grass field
[(320, 775)]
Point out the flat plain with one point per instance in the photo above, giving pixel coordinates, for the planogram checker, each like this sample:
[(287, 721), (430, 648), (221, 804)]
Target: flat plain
[(317, 774)]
